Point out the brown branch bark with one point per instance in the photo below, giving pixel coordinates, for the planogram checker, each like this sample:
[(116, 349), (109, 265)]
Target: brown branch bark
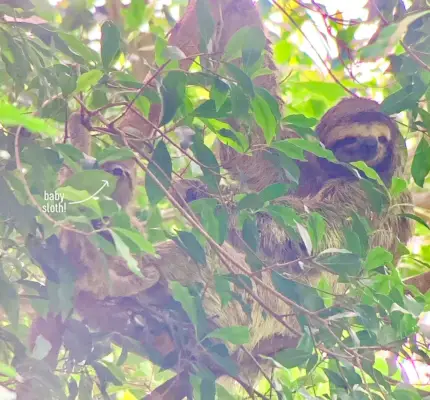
[(421, 282)]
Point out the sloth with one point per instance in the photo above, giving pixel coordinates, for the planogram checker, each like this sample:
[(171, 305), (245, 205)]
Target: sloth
[(143, 308), (112, 298), (354, 130), (83, 251)]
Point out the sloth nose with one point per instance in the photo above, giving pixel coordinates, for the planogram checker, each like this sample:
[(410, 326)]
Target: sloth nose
[(369, 144)]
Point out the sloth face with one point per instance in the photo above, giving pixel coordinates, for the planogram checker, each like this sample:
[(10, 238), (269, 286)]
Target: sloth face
[(368, 142), (124, 171)]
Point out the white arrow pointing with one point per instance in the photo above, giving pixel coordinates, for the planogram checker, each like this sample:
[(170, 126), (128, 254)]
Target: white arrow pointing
[(105, 184)]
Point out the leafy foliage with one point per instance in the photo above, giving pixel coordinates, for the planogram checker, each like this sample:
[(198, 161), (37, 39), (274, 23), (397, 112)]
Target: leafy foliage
[(53, 65)]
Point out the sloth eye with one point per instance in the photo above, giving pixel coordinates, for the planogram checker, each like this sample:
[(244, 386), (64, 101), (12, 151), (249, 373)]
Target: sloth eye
[(348, 141), (117, 171), (382, 140)]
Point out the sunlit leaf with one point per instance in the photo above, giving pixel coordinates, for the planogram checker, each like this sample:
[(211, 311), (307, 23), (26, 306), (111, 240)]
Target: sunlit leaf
[(192, 246), (241, 78), (206, 23), (233, 334), (110, 43), (161, 167), (377, 257), (124, 252), (291, 358), (88, 79), (421, 162), (172, 94)]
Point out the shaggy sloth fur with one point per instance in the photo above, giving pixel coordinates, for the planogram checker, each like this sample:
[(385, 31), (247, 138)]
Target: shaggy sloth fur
[(111, 303), (144, 308)]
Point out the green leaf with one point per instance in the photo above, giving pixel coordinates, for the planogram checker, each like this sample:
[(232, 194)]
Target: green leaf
[(219, 92), (264, 117), (352, 241), (85, 387), (421, 163), (7, 370), (291, 358), (239, 102), (313, 147), (77, 340), (161, 167), (192, 247), (88, 79), (80, 48), (344, 264), (270, 100), (9, 299), (405, 392), (114, 154), (207, 389), (274, 191), (182, 295), (124, 252), (250, 201), (405, 98), (297, 292), (233, 334), (206, 24), (105, 375), (253, 46), (110, 43), (301, 120), (241, 78), (370, 172), (210, 167), (377, 196), (41, 348), (290, 150), (381, 46), (306, 239), (73, 389), (174, 53), (172, 94), (316, 228), (56, 109), (143, 244), (378, 257), (225, 361), (248, 42), (398, 186), (91, 181), (390, 36), (208, 109), (78, 196), (327, 90), (250, 233), (231, 139), (335, 379), (415, 218), (387, 335)]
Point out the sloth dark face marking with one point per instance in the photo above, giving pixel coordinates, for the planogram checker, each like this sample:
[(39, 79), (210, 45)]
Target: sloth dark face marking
[(124, 171), (356, 149), (368, 142)]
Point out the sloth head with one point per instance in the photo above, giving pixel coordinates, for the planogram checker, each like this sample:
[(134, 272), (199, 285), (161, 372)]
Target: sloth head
[(356, 130), (125, 172)]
